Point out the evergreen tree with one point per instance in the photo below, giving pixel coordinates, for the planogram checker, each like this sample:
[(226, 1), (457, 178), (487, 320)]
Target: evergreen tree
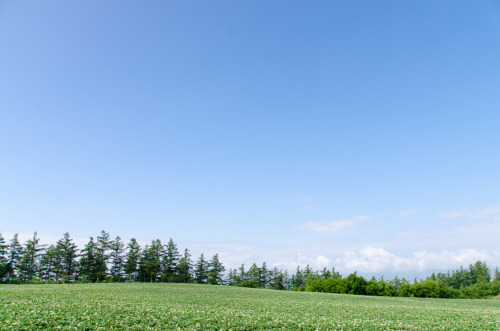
[(29, 264), (277, 280), (184, 269), (150, 263), (242, 275), (132, 259), (50, 264), (117, 259), (215, 271), (201, 270), (263, 276), (298, 280), (3, 259), (15, 251), (231, 277), (88, 265), (102, 255), (67, 254), (253, 276), (169, 262)]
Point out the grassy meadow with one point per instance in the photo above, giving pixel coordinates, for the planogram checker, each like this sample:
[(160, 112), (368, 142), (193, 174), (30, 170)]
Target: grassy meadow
[(189, 307)]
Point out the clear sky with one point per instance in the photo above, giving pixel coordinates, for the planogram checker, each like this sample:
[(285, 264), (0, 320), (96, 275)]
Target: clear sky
[(358, 134)]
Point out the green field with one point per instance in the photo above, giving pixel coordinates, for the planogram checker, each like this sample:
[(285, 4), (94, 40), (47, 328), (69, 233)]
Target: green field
[(186, 307)]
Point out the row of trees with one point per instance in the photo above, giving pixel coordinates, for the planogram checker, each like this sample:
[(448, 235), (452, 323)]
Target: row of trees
[(110, 260), (474, 282), (103, 259)]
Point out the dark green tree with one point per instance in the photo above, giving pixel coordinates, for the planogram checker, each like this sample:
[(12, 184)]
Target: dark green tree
[(29, 264), (67, 254), (201, 270), (169, 261), (3, 259), (215, 271), (88, 264), (184, 269), (50, 264), (14, 256), (132, 259), (102, 255), (150, 263), (117, 259)]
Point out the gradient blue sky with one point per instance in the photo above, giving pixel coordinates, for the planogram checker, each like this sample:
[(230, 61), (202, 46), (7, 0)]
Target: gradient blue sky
[(362, 135)]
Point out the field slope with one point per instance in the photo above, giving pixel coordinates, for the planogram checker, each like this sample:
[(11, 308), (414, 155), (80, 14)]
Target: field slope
[(186, 307)]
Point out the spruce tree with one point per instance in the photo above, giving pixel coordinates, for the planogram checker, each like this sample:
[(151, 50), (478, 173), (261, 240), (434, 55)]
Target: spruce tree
[(67, 254), (14, 256), (215, 271), (184, 269), (132, 260), (102, 255), (201, 270), (117, 259), (49, 264), (3, 259), (169, 262), (29, 263), (88, 264)]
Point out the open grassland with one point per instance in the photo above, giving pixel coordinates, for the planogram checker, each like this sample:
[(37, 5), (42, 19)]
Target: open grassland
[(187, 307)]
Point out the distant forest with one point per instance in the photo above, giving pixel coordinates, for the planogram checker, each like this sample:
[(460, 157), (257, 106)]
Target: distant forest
[(104, 259)]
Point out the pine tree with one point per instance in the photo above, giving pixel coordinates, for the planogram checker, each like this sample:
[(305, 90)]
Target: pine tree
[(132, 259), (102, 255), (215, 271), (253, 276), (117, 259), (14, 256), (150, 262), (67, 254), (184, 269), (201, 270), (3, 259), (88, 264), (29, 264), (263, 276), (169, 262), (49, 264)]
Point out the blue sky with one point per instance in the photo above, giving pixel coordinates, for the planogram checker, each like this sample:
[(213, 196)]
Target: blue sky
[(361, 135)]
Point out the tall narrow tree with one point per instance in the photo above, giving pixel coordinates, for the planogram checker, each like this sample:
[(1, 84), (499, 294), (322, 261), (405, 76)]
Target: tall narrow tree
[(184, 269), (3, 259), (201, 270), (68, 253), (102, 255), (117, 259), (88, 261), (14, 256), (215, 271), (132, 260), (169, 262), (30, 260)]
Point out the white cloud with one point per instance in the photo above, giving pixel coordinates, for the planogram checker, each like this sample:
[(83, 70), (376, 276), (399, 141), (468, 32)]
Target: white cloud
[(333, 226), (492, 212), (377, 259), (317, 263)]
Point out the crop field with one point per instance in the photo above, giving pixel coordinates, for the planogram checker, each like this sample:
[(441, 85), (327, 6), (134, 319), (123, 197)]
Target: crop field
[(189, 307)]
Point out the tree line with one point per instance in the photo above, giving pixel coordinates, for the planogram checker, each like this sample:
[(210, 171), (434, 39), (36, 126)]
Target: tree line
[(104, 259)]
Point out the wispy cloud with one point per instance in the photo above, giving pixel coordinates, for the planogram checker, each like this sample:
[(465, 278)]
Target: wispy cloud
[(492, 212), (407, 212), (333, 226)]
